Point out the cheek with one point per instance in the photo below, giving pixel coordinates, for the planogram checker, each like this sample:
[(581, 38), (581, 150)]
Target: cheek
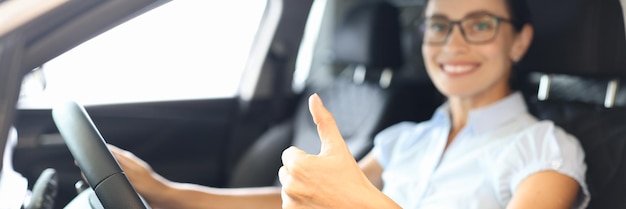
[(497, 55), (503, 49)]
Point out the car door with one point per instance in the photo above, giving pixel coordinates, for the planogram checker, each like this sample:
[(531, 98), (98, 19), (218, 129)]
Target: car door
[(184, 137)]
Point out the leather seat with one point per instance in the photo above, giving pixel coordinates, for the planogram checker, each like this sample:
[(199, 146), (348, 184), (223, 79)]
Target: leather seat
[(573, 75), (367, 43)]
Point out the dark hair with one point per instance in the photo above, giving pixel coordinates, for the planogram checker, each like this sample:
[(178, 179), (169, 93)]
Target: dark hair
[(518, 9), (520, 13), (520, 16)]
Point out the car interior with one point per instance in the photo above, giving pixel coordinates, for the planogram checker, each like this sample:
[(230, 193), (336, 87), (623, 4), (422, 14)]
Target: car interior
[(572, 76), (367, 43), (366, 66)]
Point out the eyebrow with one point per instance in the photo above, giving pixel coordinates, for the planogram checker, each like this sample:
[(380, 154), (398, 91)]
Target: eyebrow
[(473, 13)]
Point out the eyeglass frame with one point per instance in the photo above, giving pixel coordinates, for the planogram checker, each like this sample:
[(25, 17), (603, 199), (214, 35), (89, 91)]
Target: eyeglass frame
[(452, 23)]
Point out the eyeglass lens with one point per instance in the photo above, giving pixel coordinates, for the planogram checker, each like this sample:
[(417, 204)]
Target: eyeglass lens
[(475, 29)]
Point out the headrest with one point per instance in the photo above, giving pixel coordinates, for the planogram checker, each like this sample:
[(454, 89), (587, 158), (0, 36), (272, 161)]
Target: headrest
[(578, 52), (369, 35), (608, 93), (577, 37)]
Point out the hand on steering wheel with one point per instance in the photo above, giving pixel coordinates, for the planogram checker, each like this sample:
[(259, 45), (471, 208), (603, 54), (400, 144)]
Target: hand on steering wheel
[(94, 159)]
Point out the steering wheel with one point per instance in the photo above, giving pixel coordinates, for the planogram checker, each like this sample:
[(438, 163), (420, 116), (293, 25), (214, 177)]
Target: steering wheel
[(94, 159)]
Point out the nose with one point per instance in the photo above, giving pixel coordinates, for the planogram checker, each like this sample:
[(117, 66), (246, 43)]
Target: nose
[(455, 43)]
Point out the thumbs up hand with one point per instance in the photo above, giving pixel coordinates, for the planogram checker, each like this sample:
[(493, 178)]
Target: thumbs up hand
[(331, 179)]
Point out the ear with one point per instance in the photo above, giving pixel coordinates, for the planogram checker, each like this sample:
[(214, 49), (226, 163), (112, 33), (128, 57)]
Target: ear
[(522, 42)]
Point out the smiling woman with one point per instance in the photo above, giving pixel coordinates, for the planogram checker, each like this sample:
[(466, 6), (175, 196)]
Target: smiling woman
[(182, 50)]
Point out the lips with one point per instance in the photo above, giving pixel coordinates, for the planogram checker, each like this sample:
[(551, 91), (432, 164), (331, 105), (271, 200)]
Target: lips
[(458, 69)]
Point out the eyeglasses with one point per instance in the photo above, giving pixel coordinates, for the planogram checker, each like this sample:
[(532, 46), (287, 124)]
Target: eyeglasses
[(476, 29)]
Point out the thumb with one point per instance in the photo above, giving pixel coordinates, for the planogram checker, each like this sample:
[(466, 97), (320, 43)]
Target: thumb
[(332, 141)]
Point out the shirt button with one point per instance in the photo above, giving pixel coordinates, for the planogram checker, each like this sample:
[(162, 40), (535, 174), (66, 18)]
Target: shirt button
[(556, 164)]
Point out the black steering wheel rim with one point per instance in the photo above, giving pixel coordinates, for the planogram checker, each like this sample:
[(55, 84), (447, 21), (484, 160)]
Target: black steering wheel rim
[(94, 159)]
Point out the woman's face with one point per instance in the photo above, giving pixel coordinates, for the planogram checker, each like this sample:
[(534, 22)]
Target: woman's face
[(465, 70)]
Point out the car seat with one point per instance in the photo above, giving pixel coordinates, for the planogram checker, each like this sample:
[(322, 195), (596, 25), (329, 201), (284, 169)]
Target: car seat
[(367, 42), (573, 75)]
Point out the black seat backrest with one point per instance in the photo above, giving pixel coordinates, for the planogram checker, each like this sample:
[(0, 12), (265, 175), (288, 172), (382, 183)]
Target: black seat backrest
[(368, 42), (572, 76)]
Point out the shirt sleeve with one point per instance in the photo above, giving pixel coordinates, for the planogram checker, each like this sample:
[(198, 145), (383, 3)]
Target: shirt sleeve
[(547, 147), (385, 141)]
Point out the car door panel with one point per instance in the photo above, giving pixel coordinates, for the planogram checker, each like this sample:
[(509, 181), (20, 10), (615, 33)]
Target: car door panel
[(182, 140)]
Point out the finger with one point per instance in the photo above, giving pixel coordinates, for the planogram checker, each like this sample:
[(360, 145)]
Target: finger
[(332, 141), (283, 175), (117, 151), (82, 175), (291, 156), (118, 154), (285, 181), (124, 156), (121, 160), (125, 159), (286, 200), (110, 146)]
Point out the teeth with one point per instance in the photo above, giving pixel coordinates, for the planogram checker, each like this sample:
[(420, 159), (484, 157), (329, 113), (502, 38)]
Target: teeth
[(457, 68)]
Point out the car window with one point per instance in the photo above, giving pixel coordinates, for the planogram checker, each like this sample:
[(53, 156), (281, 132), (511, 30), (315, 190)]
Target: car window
[(307, 48), (185, 49)]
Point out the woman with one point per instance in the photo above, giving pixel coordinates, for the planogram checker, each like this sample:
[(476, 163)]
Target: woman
[(481, 149)]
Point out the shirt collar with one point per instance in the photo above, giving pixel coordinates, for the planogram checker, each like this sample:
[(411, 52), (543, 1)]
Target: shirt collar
[(487, 118)]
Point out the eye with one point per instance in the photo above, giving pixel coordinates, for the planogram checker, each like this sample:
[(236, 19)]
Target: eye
[(482, 26), (438, 27)]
